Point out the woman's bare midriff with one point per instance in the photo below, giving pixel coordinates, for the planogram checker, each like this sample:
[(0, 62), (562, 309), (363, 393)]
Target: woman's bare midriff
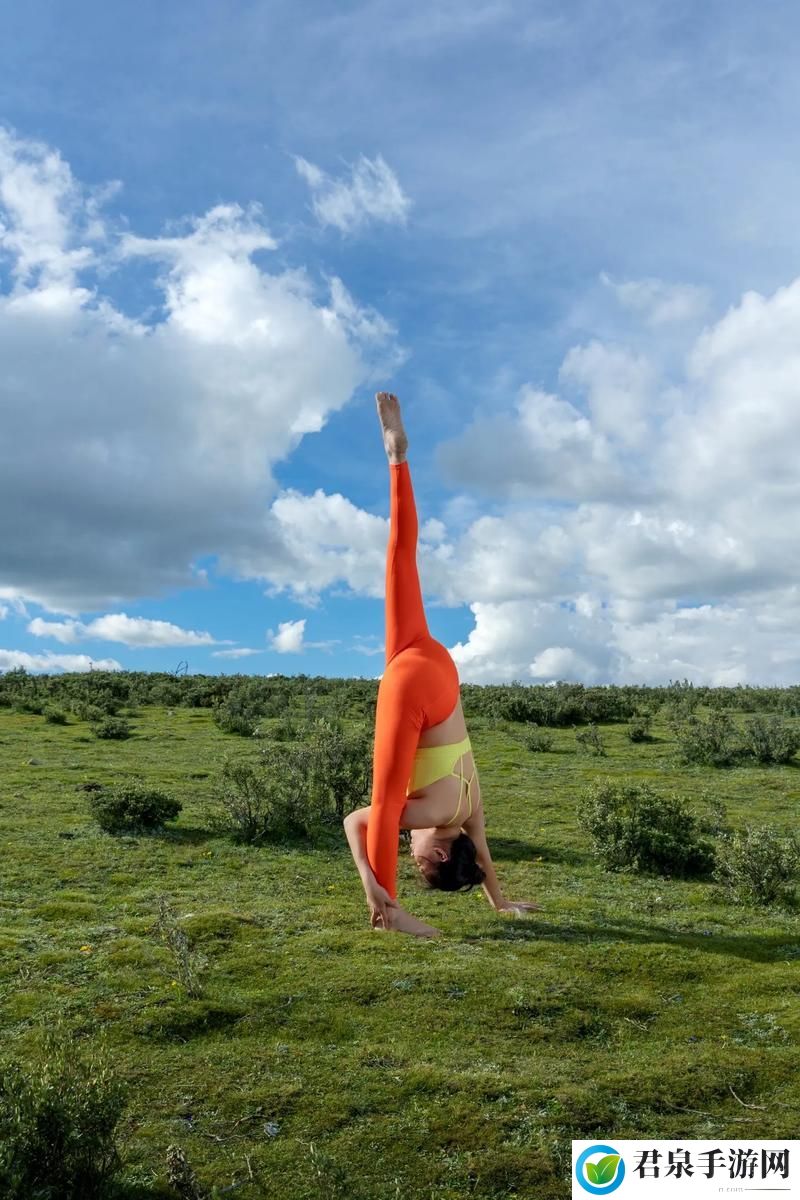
[(453, 729)]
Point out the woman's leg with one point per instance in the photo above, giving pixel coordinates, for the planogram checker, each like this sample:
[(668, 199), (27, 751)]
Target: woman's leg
[(397, 726), (398, 716), (404, 611)]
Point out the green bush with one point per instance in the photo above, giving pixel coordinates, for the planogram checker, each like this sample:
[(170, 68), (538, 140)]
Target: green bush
[(770, 739), (590, 740), (260, 801), (639, 727), (239, 712), (757, 865), (286, 730), (537, 739), (337, 765), (132, 807), (53, 715), (713, 741), (292, 789), (85, 711), (116, 728), (713, 817), (632, 827), (58, 1120)]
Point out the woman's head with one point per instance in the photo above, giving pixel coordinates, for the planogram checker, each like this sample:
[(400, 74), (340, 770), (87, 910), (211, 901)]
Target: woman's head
[(447, 863)]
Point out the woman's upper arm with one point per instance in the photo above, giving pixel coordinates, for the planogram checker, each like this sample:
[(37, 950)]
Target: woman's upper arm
[(475, 826), (417, 815)]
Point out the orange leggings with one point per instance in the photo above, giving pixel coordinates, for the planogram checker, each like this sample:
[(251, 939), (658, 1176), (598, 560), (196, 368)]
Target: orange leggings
[(419, 686)]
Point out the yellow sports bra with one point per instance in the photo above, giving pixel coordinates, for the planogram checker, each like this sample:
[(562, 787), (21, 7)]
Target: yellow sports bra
[(432, 763)]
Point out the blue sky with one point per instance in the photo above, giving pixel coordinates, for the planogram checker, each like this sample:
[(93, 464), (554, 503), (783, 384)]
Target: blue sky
[(564, 235)]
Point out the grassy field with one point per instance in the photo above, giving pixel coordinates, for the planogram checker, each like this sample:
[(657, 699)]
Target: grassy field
[(332, 1061)]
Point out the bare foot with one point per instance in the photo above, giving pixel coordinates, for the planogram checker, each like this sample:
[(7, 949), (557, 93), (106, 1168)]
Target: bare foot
[(401, 921), (394, 435)]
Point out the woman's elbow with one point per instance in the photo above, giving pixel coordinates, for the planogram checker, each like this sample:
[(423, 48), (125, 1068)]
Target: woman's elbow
[(359, 816)]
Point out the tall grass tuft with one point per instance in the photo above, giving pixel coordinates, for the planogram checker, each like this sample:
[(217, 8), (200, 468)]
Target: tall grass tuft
[(188, 963), (58, 1120)]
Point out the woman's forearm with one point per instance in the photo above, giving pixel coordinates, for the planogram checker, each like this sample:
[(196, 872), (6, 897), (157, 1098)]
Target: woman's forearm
[(355, 828), (491, 884)]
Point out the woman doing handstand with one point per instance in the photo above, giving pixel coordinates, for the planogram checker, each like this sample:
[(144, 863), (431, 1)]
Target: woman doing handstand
[(424, 776)]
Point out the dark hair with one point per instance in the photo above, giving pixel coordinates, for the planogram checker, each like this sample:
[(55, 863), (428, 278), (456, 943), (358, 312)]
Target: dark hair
[(458, 872)]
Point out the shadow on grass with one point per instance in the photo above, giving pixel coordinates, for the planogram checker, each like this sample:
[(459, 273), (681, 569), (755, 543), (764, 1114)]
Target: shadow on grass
[(513, 850), (140, 1191), (754, 948), (187, 835)]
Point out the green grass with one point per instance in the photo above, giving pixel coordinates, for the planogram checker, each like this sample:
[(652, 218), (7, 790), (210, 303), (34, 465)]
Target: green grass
[(341, 1062)]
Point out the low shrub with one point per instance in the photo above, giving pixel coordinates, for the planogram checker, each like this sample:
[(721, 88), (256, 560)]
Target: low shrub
[(292, 789), (238, 713), (632, 827), (58, 1120), (132, 808), (53, 715), (537, 739), (112, 728), (85, 711), (770, 739), (286, 730), (590, 740), (713, 741), (757, 865), (639, 727), (337, 766), (259, 801), (713, 818)]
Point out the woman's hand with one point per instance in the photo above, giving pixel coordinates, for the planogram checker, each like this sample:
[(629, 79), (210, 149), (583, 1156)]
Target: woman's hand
[(517, 907), (380, 904)]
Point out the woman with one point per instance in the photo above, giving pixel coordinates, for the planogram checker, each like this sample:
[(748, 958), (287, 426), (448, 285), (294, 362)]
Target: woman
[(424, 776)]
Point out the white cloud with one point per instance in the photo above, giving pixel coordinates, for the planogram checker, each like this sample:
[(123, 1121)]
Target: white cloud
[(619, 387), (360, 644), (139, 631), (61, 631), (47, 219), (718, 644), (609, 565), (645, 487), (289, 638), (660, 303), (326, 539), (372, 193), (118, 627), (533, 641), (15, 601), (546, 448), (160, 437), (11, 659), (240, 652), (321, 539)]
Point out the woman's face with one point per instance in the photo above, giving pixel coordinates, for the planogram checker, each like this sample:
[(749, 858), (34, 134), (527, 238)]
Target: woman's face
[(428, 848)]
